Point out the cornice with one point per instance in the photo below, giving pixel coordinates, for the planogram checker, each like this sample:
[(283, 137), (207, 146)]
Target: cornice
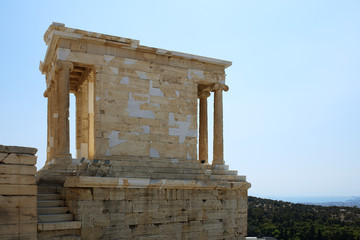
[(56, 31)]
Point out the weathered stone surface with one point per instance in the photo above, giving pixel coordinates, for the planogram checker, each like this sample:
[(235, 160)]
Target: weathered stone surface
[(15, 169), (91, 233), (12, 158), (18, 201), (163, 213), (22, 190), (18, 190), (17, 179)]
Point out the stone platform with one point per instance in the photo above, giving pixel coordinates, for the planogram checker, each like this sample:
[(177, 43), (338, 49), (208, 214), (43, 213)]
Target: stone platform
[(151, 199)]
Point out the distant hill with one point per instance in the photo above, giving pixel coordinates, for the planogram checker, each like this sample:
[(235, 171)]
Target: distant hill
[(289, 221), (353, 202)]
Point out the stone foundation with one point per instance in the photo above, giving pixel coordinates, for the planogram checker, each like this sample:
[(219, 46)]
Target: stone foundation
[(133, 208)]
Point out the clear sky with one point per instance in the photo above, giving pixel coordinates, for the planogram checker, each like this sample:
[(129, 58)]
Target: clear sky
[(292, 114)]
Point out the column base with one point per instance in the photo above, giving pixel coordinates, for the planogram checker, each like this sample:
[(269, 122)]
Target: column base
[(218, 162), (64, 156), (220, 167), (61, 160)]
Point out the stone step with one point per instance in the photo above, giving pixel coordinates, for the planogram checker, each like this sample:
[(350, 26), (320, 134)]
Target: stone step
[(155, 165), (159, 175), (52, 210), (230, 178), (53, 176), (62, 237), (59, 179), (155, 175), (50, 173), (162, 169), (59, 225), (175, 163), (132, 175), (55, 218), (140, 159), (177, 176), (241, 178), (225, 172), (48, 189), (47, 196), (50, 203), (178, 170), (220, 167), (64, 172), (146, 162)]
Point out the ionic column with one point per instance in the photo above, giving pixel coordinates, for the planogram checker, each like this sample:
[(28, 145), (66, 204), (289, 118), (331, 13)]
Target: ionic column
[(48, 149), (203, 128), (54, 119), (63, 148), (218, 145), (78, 98), (50, 127)]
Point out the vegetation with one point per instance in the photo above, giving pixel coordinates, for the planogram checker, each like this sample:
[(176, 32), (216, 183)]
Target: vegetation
[(289, 221)]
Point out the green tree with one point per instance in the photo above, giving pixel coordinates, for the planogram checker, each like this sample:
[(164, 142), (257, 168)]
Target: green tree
[(319, 235)]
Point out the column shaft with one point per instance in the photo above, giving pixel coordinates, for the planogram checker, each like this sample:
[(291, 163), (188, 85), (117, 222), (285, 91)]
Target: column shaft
[(52, 121), (63, 109), (54, 142), (78, 98), (48, 149), (203, 128), (218, 145)]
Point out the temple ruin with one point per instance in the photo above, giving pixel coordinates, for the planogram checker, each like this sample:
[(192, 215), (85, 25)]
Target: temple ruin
[(141, 169)]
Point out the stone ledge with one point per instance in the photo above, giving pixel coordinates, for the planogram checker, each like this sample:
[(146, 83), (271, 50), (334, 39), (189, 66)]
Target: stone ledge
[(18, 149), (59, 225), (112, 182)]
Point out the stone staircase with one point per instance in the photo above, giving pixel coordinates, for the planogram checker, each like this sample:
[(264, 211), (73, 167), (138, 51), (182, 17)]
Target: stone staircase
[(136, 167), (157, 168), (53, 215), (222, 173)]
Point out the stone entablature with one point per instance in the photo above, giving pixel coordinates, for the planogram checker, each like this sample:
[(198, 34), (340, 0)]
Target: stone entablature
[(131, 100)]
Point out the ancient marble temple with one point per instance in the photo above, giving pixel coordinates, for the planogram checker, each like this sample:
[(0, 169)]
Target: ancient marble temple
[(141, 170)]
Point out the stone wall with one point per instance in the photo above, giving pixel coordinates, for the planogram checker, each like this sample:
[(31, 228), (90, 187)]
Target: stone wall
[(144, 111), (112, 208), (142, 108), (18, 191)]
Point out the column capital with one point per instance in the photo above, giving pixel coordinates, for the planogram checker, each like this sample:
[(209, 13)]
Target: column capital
[(204, 94), (64, 65), (219, 86)]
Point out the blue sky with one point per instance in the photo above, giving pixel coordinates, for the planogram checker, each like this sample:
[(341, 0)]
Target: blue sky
[(292, 114)]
